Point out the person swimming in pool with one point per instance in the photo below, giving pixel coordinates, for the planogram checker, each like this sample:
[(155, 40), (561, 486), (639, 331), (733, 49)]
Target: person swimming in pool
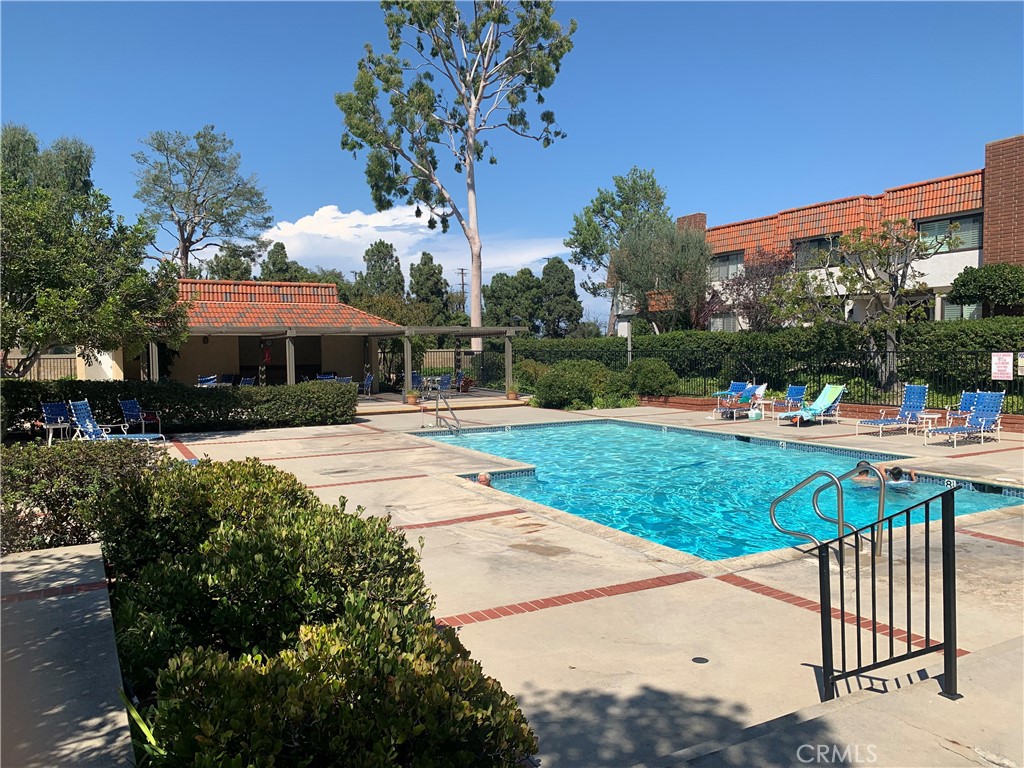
[(894, 475)]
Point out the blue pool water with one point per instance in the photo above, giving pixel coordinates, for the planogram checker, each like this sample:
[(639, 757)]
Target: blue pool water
[(700, 494)]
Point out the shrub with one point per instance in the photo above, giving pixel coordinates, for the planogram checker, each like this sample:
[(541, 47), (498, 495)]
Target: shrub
[(55, 496), (527, 372), (651, 376), (177, 508), (571, 384), (372, 689), (184, 408), (252, 583)]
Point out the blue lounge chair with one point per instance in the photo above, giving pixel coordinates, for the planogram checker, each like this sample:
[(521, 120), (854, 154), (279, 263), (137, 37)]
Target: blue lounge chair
[(963, 409), (826, 406), (207, 381), (794, 399), (417, 381), (735, 388), (247, 381), (984, 418), (914, 398), (730, 407), (86, 427), (326, 377), (136, 415), (366, 388), (56, 418), (460, 377), (344, 379)]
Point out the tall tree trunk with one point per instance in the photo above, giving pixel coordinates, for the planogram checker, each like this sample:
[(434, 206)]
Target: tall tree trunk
[(476, 314)]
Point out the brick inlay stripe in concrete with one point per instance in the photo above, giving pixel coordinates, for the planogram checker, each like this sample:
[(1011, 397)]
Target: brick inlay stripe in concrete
[(528, 606), (990, 537), (38, 594), (185, 452), (374, 480), (862, 622), (466, 519)]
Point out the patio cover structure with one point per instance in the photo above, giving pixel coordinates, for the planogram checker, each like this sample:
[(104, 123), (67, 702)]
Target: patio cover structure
[(289, 311)]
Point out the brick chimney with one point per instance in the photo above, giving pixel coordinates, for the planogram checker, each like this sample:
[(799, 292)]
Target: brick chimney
[(698, 221), (1003, 199)]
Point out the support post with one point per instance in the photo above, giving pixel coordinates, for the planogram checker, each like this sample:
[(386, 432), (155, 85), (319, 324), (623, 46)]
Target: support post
[(825, 600), (154, 362), (407, 348), (289, 357), (949, 682), (508, 362)]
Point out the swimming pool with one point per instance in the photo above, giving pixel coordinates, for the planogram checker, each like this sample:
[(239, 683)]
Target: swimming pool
[(704, 494)]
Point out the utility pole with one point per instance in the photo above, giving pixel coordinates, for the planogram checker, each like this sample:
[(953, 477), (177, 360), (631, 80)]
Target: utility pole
[(462, 274)]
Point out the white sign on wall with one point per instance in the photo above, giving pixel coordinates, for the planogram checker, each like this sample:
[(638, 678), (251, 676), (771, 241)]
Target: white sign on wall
[(1002, 366)]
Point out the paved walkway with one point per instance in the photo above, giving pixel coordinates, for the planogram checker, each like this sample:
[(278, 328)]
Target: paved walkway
[(621, 651)]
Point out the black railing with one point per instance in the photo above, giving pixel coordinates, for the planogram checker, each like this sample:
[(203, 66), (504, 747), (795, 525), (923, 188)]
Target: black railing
[(875, 380), (909, 606)]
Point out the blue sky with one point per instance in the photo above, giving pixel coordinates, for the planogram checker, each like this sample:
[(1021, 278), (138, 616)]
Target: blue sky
[(741, 109)]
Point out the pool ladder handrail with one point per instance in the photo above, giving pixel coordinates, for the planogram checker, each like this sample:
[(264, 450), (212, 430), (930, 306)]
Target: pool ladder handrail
[(837, 482), (441, 419)]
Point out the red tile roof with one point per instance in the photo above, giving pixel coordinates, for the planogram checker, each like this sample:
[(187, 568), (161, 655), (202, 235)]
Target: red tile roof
[(249, 305), (924, 200)]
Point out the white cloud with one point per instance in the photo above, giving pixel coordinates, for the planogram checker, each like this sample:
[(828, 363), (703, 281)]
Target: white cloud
[(334, 239)]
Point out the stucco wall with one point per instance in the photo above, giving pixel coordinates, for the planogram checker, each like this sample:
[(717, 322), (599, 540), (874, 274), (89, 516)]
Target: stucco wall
[(343, 355), (197, 359)]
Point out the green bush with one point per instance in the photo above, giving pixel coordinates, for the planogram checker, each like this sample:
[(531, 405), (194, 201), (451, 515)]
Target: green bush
[(176, 509), (572, 384), (55, 496), (527, 372), (253, 582), (185, 409), (373, 689), (651, 376)]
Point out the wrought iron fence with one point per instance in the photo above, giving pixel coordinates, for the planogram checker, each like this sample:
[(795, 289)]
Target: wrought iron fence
[(875, 595), (869, 380)]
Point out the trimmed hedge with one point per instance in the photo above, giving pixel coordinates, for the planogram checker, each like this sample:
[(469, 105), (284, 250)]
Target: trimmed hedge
[(572, 384), (187, 409)]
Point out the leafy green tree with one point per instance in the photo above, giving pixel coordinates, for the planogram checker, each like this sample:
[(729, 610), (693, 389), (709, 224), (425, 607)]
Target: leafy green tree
[(324, 275), (515, 296), (234, 261), (427, 286), (561, 309), (664, 272), (65, 165), (383, 276), (278, 268), (637, 200), (192, 189), (868, 279), (73, 271), (587, 329), (999, 288), (469, 75)]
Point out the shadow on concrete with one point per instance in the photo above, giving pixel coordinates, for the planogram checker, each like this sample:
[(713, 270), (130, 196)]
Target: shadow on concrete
[(596, 729), (59, 701)]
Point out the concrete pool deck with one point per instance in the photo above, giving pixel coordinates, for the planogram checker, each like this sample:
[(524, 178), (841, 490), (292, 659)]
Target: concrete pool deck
[(623, 652)]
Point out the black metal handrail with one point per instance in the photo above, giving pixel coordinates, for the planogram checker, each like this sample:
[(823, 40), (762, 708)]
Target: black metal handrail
[(873, 533)]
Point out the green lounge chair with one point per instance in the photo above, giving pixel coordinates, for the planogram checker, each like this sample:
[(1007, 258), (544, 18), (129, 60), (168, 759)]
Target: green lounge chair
[(826, 406)]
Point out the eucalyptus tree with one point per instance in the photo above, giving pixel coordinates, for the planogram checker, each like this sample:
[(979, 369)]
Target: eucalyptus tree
[(471, 71), (193, 189), (636, 201)]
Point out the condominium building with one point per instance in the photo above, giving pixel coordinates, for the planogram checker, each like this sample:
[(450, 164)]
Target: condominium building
[(987, 204)]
